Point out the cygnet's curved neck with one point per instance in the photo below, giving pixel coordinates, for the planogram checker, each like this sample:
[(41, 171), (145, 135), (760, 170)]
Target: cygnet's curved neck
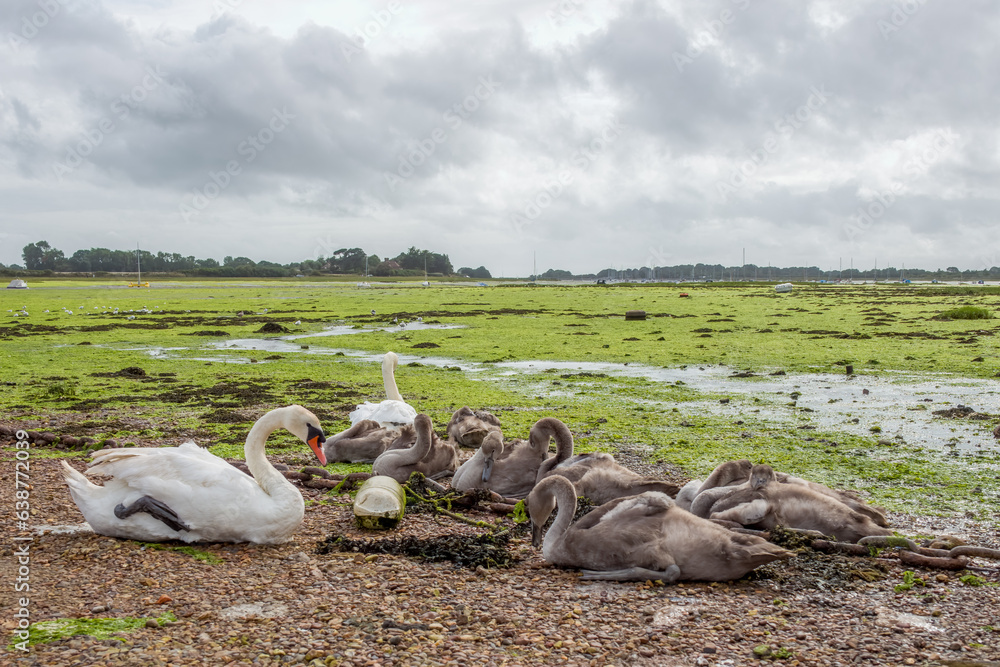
[(541, 433), (418, 451), (565, 495), (389, 363)]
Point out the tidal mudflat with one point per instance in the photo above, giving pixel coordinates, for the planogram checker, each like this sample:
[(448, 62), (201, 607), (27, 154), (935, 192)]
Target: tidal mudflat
[(729, 371)]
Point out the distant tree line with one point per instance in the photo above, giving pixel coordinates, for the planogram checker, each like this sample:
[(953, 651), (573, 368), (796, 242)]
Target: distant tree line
[(719, 272), (41, 256)]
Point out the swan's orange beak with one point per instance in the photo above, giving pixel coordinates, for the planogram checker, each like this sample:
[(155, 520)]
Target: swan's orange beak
[(315, 440)]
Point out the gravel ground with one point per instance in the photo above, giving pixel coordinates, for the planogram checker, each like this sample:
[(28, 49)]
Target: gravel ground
[(289, 605)]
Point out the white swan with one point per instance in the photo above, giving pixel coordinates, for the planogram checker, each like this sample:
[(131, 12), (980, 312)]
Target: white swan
[(393, 411), (185, 493)]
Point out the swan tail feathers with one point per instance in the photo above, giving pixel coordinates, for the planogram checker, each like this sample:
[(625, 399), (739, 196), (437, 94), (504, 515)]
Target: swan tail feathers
[(75, 479)]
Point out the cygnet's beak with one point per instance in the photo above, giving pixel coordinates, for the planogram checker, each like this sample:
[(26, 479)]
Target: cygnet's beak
[(488, 468), (536, 535), (315, 440)]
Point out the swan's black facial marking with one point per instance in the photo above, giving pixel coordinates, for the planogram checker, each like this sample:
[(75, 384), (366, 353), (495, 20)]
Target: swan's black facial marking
[(315, 440), (314, 432), (155, 508)]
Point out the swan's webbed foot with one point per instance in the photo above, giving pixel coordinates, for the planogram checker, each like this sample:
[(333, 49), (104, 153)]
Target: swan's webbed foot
[(668, 576), (155, 508)]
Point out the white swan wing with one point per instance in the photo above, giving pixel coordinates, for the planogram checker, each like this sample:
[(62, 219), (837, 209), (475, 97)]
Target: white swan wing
[(386, 412), (171, 470)]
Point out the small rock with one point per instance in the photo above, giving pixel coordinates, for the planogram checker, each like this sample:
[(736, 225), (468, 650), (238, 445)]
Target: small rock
[(152, 623), (943, 578), (709, 648), (463, 614), (164, 599), (97, 609)]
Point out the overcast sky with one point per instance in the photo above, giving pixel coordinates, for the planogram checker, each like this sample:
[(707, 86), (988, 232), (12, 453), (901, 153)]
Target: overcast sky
[(594, 134)]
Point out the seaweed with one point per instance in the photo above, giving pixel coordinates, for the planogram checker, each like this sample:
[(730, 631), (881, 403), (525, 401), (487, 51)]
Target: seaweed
[(488, 549)]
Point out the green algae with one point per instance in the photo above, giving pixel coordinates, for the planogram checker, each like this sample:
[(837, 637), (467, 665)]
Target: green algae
[(197, 554), (44, 632), (188, 389)]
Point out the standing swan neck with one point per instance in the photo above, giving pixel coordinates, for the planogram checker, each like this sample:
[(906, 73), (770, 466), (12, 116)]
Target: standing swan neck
[(269, 479), (389, 363)]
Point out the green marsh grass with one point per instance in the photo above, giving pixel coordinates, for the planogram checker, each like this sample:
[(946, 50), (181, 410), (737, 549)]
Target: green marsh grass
[(68, 369)]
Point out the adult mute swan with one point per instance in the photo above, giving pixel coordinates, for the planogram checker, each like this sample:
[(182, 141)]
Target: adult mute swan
[(185, 493), (393, 411), (641, 537)]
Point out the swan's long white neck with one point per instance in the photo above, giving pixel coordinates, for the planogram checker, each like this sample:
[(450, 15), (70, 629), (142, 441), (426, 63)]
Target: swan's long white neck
[(269, 479), (565, 496), (389, 378)]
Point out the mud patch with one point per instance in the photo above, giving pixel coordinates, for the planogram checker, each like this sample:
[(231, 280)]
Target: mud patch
[(239, 394), (128, 372), (223, 416), (272, 328), (962, 412)]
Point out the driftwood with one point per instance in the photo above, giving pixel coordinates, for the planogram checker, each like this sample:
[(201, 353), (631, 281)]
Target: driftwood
[(321, 483), (978, 552), (909, 553), (848, 548), (918, 560), (501, 508)]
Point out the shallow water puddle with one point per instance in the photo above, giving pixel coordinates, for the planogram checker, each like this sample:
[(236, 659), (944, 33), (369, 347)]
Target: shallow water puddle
[(890, 618), (900, 404), (254, 610), (669, 616)]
